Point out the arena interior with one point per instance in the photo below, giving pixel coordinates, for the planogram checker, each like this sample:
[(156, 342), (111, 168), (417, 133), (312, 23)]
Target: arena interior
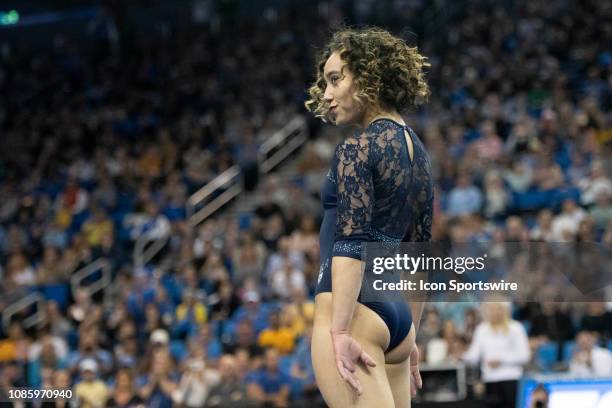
[(160, 193)]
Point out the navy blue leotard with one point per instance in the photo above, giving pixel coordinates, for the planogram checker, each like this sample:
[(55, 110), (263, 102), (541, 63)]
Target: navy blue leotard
[(373, 192)]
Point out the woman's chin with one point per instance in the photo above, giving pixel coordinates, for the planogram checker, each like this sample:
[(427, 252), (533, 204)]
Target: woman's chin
[(338, 120)]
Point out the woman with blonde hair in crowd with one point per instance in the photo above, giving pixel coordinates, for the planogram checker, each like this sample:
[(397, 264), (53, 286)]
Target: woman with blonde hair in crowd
[(501, 347)]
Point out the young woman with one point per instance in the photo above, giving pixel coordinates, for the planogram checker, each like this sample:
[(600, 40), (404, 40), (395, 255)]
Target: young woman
[(379, 189), (501, 346)]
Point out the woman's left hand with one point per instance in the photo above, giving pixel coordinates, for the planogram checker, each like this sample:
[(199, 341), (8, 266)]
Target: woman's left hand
[(348, 352), (415, 375)]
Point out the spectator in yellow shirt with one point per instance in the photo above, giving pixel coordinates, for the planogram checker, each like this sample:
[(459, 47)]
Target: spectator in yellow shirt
[(16, 345), (91, 392), (192, 309), (281, 338), (299, 313), (96, 227)]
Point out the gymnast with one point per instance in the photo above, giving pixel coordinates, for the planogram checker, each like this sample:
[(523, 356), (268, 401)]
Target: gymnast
[(379, 189)]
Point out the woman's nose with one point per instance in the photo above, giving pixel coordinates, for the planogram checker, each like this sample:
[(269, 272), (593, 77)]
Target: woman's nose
[(327, 96)]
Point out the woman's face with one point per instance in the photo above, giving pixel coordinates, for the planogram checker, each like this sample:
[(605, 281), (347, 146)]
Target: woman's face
[(339, 92), (496, 313), (61, 379), (124, 379)]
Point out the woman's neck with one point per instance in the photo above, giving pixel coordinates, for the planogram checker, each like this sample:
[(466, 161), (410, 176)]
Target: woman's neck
[(373, 115)]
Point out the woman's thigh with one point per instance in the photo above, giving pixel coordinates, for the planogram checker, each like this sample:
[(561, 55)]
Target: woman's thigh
[(398, 370), (371, 332)]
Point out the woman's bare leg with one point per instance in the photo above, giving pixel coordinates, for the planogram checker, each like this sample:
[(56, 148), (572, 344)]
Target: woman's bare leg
[(371, 332), (398, 370)]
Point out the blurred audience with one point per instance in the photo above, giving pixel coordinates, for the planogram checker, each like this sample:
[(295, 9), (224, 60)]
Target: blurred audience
[(588, 359), (101, 149)]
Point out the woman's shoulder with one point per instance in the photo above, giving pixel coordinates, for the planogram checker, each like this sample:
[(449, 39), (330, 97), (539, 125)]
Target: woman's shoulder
[(517, 326), (362, 144), (354, 146), (383, 126)]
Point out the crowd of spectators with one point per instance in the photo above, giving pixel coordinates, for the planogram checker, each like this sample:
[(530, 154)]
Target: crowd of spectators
[(99, 149)]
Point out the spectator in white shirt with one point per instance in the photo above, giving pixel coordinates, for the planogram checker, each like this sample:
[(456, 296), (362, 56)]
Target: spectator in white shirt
[(151, 223), (565, 225), (195, 384), (496, 196), (519, 177), (286, 279), (543, 230), (465, 198), (588, 359), (501, 347), (597, 183)]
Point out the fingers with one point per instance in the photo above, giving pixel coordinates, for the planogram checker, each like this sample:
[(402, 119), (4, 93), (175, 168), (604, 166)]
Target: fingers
[(350, 366), (348, 353), (415, 381), (418, 380), (349, 377), (353, 381), (367, 360)]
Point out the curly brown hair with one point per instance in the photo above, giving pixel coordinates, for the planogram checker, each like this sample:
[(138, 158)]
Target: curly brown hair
[(387, 72)]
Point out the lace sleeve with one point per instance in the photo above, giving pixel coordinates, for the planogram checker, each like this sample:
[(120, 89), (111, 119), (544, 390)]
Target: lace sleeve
[(355, 194), (423, 225)]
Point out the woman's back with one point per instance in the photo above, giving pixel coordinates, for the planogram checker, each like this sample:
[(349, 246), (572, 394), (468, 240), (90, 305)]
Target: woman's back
[(382, 194), (375, 192)]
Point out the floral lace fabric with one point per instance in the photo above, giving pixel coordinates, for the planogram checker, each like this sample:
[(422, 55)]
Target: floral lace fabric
[(382, 195)]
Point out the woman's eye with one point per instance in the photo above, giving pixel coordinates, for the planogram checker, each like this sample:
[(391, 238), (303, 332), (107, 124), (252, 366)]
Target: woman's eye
[(334, 80)]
